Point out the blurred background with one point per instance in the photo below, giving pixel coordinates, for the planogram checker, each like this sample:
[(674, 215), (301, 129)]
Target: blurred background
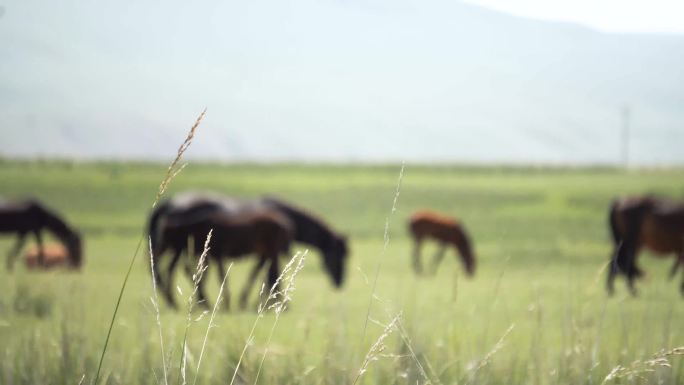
[(484, 81), (523, 120)]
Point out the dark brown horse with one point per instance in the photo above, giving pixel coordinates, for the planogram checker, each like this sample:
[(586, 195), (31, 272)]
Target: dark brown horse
[(308, 229), (445, 230), (234, 234), (32, 217), (644, 223)]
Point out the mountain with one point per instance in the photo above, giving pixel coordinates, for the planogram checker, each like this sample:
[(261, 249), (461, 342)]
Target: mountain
[(332, 80)]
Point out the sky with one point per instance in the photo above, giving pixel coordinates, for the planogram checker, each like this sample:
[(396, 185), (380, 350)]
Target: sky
[(622, 16), (340, 80)]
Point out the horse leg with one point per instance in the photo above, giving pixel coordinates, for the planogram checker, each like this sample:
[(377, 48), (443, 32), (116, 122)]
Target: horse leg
[(681, 288), (12, 255), (438, 258), (156, 270), (41, 249), (273, 274), (244, 295), (168, 290), (417, 268), (630, 285), (675, 266), (680, 261), (633, 272), (613, 269)]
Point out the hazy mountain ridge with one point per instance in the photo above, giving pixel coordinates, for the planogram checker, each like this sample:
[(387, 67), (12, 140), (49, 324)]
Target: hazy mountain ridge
[(332, 80)]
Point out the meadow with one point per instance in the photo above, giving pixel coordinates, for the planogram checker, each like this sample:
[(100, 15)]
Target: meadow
[(535, 312)]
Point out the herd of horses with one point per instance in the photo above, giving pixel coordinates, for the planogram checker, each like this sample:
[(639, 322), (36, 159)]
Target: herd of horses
[(267, 227)]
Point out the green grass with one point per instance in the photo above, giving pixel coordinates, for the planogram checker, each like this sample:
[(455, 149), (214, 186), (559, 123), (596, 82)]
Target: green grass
[(540, 236)]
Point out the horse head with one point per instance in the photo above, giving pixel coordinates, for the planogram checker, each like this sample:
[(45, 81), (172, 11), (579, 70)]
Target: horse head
[(334, 258), (467, 254), (74, 246), (469, 262)]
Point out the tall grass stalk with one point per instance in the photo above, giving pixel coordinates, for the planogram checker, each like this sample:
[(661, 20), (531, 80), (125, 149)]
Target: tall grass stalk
[(281, 304), (486, 360), (211, 321), (155, 304), (196, 280), (174, 169), (386, 238), (377, 348), (638, 367), (171, 173), (407, 341), (263, 306)]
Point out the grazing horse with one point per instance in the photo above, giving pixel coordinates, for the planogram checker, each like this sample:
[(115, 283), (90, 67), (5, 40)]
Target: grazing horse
[(644, 222), (447, 231), (30, 216), (312, 231), (234, 234), (307, 229)]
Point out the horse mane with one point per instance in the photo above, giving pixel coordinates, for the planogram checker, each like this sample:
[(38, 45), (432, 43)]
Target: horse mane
[(52, 221), (309, 228)]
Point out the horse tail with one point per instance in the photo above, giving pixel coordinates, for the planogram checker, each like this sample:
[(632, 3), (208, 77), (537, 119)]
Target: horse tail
[(612, 220), (154, 230), (618, 242), (627, 239), (414, 226)]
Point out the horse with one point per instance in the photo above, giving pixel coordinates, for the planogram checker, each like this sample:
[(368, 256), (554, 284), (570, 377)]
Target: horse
[(31, 216), (234, 235), (644, 222), (54, 255), (308, 229), (447, 231)]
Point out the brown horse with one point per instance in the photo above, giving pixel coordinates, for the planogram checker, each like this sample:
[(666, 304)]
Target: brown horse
[(447, 231), (235, 234), (644, 223), (54, 255), (31, 216)]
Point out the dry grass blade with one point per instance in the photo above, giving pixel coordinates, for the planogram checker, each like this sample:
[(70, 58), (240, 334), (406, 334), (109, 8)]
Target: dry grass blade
[(488, 357), (174, 169), (196, 279), (155, 304), (171, 173), (281, 298), (377, 348), (409, 345), (386, 239), (211, 321), (638, 367), (271, 301)]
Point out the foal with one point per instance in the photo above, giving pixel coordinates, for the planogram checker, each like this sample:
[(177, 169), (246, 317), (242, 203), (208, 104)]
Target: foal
[(447, 231), (53, 255)]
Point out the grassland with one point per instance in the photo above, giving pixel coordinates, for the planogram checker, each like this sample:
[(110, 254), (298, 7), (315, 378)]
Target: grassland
[(540, 236)]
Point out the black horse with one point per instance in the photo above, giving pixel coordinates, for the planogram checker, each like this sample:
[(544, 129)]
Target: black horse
[(234, 234), (32, 217), (307, 229)]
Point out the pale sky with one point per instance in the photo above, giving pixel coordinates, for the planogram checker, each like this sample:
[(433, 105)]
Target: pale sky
[(653, 16), (342, 80)]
